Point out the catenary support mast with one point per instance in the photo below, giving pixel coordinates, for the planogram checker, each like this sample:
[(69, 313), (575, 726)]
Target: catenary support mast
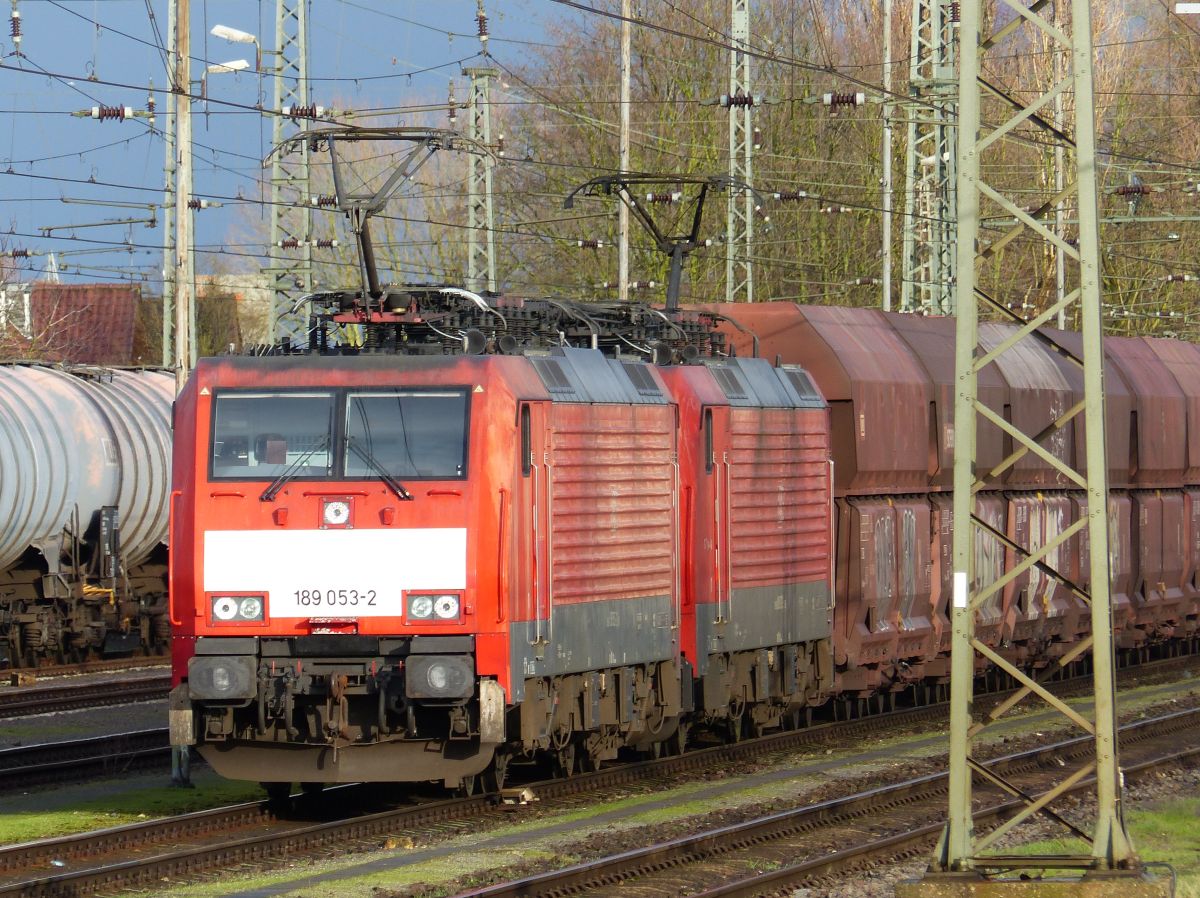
[(967, 863), (184, 285), (291, 210), (927, 284), (481, 230), (168, 216), (739, 227)]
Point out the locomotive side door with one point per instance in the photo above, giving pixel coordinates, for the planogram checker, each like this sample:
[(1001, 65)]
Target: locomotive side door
[(715, 423)]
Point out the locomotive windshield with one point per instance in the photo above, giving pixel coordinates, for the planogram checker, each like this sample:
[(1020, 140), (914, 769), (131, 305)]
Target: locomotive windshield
[(258, 435), (410, 434), (336, 434)]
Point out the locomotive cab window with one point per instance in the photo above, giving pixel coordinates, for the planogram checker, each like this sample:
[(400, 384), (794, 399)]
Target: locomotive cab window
[(259, 435), (407, 433)]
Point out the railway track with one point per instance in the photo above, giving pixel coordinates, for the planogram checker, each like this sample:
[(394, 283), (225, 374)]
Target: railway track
[(107, 665), (56, 762), (206, 842), (905, 819), (251, 833), (25, 700)]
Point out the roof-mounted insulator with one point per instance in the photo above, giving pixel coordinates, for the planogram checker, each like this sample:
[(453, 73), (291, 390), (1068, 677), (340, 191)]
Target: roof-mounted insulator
[(739, 100), (633, 285), (289, 243), (309, 110), (664, 198), (790, 196), (837, 101), (104, 113), (323, 243), (1178, 278), (481, 23), (590, 244), (324, 199)]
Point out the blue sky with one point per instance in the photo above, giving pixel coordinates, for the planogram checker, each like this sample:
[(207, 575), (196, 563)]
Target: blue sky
[(363, 53)]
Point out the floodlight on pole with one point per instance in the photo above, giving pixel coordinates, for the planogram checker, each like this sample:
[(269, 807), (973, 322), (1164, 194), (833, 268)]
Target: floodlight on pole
[(221, 68), (234, 35)]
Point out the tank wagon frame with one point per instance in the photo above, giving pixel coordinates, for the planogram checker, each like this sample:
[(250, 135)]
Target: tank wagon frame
[(84, 453)]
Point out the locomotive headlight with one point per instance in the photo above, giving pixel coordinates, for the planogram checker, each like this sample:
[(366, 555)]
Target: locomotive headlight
[(420, 607), (238, 609), (336, 513), (446, 607), (442, 607), (440, 676)]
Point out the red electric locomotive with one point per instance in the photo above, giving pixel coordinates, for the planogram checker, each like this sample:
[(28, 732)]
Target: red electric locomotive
[(467, 541)]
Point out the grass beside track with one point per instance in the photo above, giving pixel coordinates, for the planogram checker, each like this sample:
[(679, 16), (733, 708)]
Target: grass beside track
[(1163, 832), (106, 803)]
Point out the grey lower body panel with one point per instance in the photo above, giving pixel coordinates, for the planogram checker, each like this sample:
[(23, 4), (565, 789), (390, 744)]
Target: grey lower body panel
[(592, 636), (765, 616), (270, 762)]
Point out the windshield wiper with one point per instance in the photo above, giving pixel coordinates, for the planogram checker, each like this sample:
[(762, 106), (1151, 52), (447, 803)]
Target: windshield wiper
[(268, 495), (395, 485)]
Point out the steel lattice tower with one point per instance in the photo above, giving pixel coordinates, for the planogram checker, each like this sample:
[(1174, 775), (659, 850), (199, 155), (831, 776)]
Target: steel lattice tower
[(966, 863), (291, 212), (481, 240), (927, 284), (739, 226)]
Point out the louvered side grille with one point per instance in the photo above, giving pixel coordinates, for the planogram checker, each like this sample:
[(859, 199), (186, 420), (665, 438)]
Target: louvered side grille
[(779, 497), (613, 482)]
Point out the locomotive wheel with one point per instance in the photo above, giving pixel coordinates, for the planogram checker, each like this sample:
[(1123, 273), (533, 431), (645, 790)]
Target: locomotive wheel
[(278, 794), (564, 761), (496, 773), (468, 786), (676, 743), (735, 722)]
